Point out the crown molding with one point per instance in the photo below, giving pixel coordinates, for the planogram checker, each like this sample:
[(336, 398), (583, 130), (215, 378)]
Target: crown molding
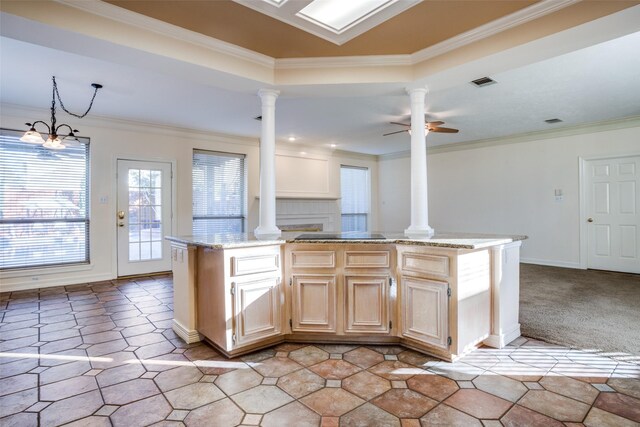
[(21, 112), (603, 126), (581, 129), (118, 14), (128, 17), (520, 17), (344, 62), (396, 155)]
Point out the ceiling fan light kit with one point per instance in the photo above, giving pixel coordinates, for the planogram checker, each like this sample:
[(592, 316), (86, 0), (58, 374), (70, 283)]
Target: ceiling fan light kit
[(54, 141), (428, 127)]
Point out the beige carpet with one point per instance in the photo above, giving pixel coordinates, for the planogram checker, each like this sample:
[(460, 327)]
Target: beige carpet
[(589, 309)]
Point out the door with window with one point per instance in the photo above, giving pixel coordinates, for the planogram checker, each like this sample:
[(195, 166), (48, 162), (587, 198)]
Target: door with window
[(613, 214), (143, 217)]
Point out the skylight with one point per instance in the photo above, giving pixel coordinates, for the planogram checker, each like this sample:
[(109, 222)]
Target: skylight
[(275, 2), (339, 15)]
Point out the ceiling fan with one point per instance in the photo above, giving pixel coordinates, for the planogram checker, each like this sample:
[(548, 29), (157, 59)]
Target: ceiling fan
[(430, 126)]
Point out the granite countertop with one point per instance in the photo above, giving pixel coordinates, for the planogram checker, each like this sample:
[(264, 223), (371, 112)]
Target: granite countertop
[(445, 239)]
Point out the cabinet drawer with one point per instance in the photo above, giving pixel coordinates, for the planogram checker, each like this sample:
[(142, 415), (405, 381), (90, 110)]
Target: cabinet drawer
[(366, 259), (431, 265), (252, 264), (313, 259)]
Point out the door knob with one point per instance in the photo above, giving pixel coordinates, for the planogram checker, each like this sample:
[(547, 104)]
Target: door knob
[(121, 214), (589, 219)]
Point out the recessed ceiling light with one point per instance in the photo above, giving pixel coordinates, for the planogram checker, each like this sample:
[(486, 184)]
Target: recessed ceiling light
[(483, 81), (552, 121), (292, 138)]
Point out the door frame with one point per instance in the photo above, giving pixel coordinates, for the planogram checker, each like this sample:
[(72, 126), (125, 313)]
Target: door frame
[(113, 203), (582, 179)]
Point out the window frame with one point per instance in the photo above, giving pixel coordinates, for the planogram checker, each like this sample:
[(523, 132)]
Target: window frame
[(244, 189), (86, 261), (367, 214)]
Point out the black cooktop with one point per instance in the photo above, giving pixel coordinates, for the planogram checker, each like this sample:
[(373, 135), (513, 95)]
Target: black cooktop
[(340, 236)]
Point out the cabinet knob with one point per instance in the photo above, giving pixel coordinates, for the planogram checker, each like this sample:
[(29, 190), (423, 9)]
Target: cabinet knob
[(589, 219)]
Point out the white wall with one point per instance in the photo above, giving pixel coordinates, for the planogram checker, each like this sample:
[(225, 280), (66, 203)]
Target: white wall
[(111, 140), (508, 188)]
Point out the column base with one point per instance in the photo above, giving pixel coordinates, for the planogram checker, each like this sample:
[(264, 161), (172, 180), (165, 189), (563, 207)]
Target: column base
[(188, 335), (419, 233), (267, 233), (502, 340)]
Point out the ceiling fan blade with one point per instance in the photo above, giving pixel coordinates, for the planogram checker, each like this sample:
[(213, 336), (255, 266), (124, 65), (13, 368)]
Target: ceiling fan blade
[(443, 130), (399, 131), (437, 123), (401, 124)]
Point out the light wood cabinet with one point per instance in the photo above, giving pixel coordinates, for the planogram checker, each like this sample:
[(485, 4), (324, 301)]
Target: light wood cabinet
[(256, 306), (367, 304), (445, 298), (438, 300), (340, 289), (313, 305), (240, 297), (425, 311)]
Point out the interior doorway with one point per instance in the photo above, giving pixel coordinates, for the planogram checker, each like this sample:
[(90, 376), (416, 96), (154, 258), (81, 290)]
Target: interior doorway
[(609, 213)]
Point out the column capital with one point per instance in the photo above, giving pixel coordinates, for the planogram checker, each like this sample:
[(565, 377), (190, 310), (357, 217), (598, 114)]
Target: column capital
[(268, 93), (417, 90)]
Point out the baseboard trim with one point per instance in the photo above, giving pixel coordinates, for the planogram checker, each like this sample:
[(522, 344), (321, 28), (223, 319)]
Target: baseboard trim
[(500, 341), (188, 335), (52, 282), (551, 263)]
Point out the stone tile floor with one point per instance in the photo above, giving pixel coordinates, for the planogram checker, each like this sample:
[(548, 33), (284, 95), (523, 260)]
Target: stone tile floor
[(105, 354)]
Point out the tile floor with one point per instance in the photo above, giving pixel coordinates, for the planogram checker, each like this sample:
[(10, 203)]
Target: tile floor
[(105, 354)]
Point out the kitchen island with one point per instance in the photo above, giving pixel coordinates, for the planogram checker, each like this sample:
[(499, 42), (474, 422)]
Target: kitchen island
[(443, 295)]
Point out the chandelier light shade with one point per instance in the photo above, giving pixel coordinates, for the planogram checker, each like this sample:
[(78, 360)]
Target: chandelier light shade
[(55, 141)]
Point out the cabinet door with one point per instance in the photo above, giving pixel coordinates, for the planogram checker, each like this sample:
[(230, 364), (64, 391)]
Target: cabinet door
[(314, 303), (257, 310), (367, 304), (425, 311)]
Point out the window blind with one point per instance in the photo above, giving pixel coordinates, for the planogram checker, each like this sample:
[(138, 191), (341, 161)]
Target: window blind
[(44, 203), (219, 192), (354, 189)]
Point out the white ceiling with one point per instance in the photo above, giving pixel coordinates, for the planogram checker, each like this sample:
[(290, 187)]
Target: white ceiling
[(594, 84)]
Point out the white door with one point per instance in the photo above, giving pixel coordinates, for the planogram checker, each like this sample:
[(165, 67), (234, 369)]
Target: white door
[(143, 217), (613, 216)]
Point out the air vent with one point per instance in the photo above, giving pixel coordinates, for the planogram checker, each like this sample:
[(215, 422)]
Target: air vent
[(552, 121), (483, 81), (259, 118)]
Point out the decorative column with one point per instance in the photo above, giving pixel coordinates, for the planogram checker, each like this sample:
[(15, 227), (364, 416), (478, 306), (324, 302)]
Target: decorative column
[(419, 227), (267, 223)]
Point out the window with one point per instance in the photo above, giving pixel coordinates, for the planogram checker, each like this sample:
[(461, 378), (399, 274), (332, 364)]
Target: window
[(354, 187), (44, 203), (219, 192)]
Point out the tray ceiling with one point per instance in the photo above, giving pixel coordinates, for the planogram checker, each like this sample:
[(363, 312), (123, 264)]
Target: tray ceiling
[(421, 26)]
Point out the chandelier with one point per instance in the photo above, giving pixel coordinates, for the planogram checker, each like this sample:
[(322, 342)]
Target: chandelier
[(55, 141)]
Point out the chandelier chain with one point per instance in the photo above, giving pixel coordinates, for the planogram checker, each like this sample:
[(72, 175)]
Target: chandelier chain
[(55, 89)]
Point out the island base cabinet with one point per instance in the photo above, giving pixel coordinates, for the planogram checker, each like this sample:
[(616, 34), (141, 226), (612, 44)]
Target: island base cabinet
[(425, 311), (367, 304), (314, 303), (240, 298), (256, 310)]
